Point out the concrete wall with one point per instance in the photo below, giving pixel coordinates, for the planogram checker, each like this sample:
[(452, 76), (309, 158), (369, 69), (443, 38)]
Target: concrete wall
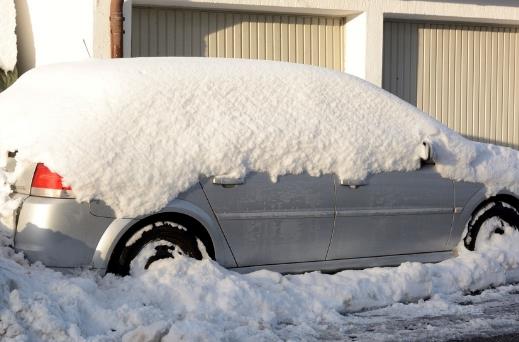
[(53, 31), (364, 41)]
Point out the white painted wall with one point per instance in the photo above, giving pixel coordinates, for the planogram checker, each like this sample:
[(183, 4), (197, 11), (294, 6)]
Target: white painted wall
[(8, 48), (355, 48), (53, 31), (101, 40)]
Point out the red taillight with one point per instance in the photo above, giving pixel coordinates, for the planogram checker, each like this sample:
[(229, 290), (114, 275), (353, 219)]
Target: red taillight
[(49, 184)]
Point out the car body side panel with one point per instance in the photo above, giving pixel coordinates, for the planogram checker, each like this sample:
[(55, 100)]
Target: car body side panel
[(58, 232), (465, 191), (24, 178), (355, 263), (468, 197), (393, 213), (192, 203), (290, 220)]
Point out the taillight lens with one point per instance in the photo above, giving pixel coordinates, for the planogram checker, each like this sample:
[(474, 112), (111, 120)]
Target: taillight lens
[(49, 184)]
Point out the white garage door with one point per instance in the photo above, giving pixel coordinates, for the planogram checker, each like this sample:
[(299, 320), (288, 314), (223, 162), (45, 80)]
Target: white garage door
[(465, 75), (312, 40)]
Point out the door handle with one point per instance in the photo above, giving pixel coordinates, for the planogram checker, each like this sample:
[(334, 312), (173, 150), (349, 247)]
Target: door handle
[(352, 184), (228, 180)]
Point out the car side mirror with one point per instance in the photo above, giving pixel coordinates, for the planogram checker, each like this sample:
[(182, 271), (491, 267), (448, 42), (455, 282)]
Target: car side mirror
[(427, 153)]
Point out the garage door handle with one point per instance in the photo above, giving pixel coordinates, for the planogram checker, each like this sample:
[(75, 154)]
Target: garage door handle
[(226, 180)]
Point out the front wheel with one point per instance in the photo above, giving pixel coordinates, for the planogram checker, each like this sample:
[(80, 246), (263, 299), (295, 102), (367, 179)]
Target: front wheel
[(492, 220), (153, 242)]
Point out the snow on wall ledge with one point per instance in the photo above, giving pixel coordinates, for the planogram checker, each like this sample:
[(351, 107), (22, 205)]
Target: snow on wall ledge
[(8, 50), (136, 132)]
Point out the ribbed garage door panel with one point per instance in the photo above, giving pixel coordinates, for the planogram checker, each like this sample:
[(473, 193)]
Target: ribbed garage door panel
[(292, 38), (467, 76)]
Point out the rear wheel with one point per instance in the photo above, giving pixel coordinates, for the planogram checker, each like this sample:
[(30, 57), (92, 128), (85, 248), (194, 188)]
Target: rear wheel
[(489, 221), (151, 243)]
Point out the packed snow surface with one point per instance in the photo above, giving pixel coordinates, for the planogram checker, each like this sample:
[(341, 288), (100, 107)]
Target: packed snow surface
[(188, 300), (154, 125), (8, 50)]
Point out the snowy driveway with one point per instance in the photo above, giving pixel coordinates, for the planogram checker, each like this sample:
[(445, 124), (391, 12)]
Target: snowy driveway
[(459, 317)]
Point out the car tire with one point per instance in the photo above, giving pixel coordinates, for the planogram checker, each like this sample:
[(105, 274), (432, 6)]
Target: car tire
[(167, 239), (506, 215)]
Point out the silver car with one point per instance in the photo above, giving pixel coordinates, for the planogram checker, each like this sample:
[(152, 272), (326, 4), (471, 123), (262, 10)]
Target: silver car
[(298, 224)]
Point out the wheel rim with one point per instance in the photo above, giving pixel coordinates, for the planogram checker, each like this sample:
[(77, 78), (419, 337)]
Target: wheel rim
[(154, 251), (493, 226)]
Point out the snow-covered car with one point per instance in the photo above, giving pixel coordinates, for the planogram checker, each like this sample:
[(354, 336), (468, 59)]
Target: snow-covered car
[(254, 164)]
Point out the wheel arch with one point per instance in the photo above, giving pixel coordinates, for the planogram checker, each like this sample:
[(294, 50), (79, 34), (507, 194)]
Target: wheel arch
[(505, 197), (478, 201), (205, 227)]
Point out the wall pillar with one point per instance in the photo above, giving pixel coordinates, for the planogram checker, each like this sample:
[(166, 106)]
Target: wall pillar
[(355, 49), (374, 47)]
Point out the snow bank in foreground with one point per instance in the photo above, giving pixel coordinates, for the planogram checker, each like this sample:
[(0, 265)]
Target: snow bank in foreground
[(8, 49), (154, 125), (199, 300)]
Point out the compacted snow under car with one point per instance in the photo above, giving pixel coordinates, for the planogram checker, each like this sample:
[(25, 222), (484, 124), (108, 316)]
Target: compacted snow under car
[(246, 221)]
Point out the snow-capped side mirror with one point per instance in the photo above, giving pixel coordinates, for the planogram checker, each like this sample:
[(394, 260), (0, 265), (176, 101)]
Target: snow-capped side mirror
[(427, 153)]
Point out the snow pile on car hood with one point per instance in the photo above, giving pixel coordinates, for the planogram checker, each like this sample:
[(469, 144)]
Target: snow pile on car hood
[(185, 299), (136, 132), (8, 50)]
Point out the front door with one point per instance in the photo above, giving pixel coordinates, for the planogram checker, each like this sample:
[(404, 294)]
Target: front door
[(272, 223), (393, 213)]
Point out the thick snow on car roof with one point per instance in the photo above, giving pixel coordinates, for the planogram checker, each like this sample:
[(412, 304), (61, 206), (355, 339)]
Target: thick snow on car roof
[(136, 132)]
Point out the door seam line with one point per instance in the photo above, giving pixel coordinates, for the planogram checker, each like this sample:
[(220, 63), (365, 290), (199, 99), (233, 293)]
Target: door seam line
[(219, 224), (334, 216)]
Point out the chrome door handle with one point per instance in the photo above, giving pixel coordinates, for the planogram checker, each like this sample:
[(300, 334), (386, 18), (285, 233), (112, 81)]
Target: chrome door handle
[(352, 184), (228, 180)]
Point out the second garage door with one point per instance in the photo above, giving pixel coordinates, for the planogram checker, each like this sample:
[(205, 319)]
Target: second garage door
[(314, 40), (465, 75)]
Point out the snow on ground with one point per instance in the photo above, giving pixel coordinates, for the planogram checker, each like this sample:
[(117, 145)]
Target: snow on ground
[(8, 50), (185, 299), (155, 125)]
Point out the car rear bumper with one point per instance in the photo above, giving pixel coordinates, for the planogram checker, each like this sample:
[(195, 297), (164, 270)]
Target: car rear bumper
[(58, 232)]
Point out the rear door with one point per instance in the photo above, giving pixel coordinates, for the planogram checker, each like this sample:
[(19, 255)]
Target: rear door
[(272, 223), (393, 213)]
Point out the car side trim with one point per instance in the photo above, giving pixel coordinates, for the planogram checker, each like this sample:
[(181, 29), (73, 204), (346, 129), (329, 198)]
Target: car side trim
[(275, 215), (329, 213), (402, 211)]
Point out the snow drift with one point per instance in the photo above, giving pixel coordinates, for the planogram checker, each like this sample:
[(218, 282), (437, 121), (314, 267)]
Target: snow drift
[(136, 132), (8, 50), (186, 299)]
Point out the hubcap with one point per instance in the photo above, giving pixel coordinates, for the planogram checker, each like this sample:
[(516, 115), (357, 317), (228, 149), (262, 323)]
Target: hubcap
[(152, 252), (494, 225), (161, 252)]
